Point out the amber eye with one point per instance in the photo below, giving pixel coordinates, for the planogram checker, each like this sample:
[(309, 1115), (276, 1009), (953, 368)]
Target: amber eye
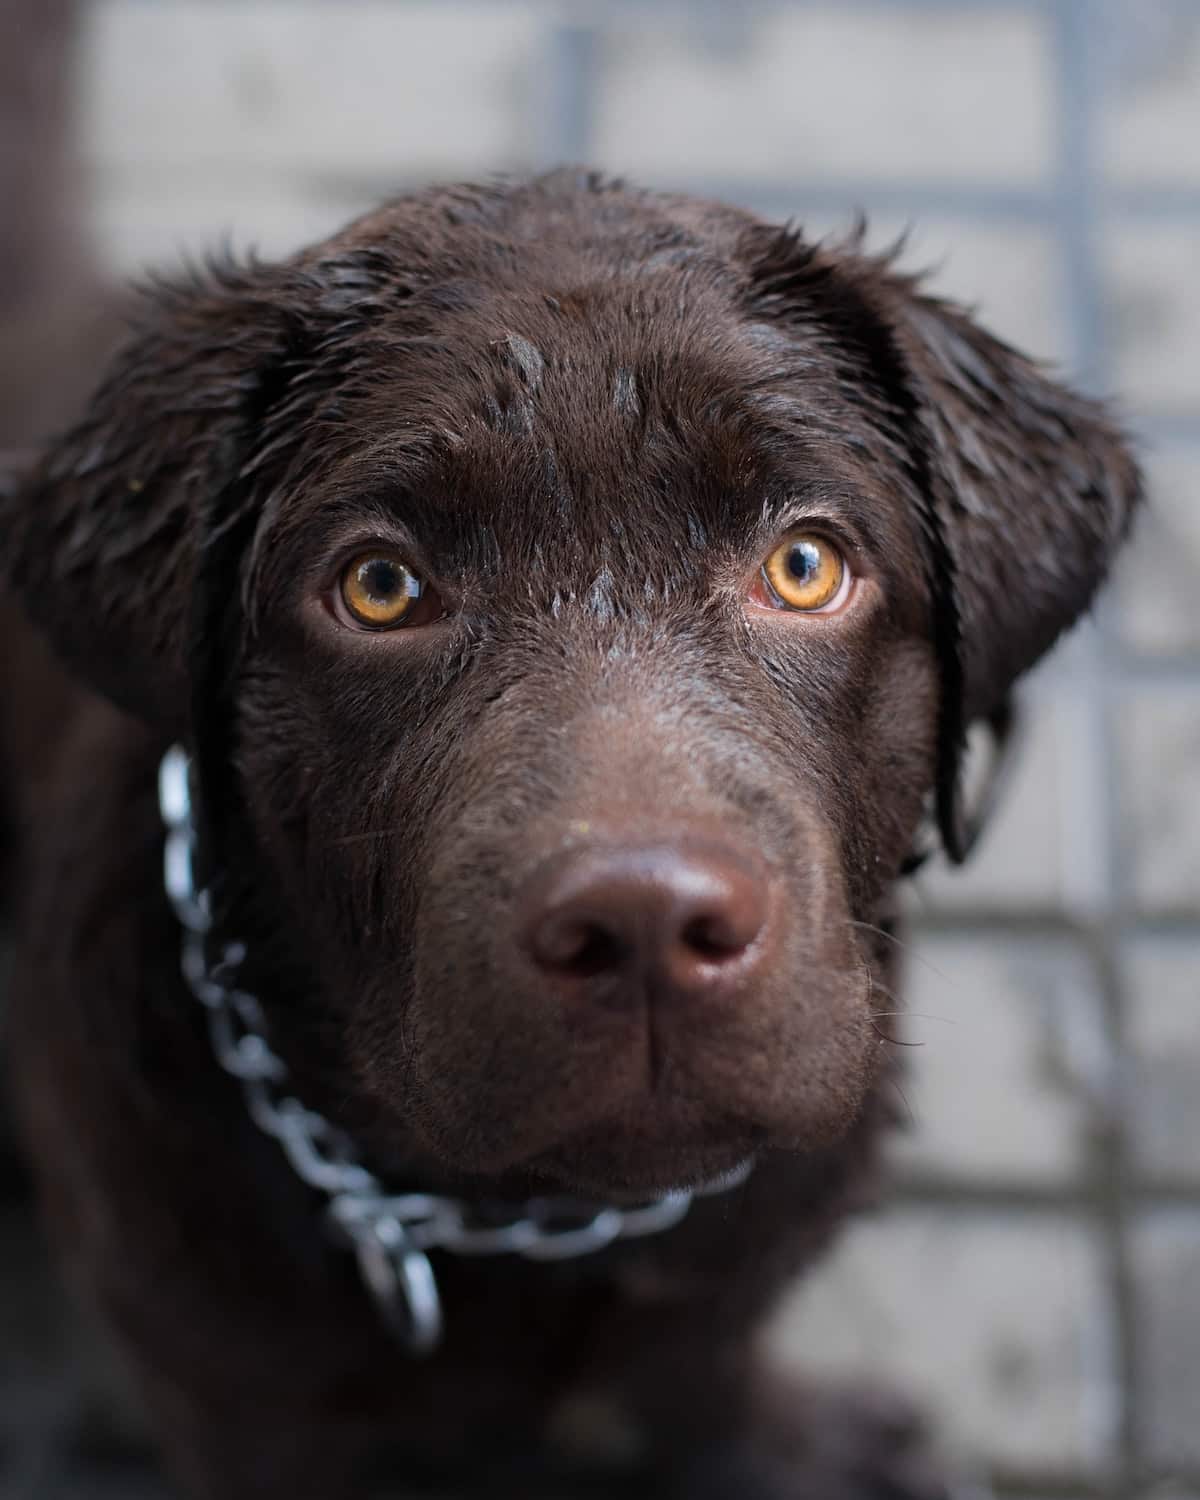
[(380, 590), (806, 572)]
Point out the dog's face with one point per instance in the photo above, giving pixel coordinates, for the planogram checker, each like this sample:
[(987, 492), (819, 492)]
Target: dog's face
[(587, 590), (581, 803)]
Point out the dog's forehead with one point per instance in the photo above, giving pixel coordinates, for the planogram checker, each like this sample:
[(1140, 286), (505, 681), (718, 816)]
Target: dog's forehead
[(612, 391), (579, 398)]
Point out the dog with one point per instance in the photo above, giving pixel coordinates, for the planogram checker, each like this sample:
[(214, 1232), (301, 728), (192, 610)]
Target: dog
[(538, 623)]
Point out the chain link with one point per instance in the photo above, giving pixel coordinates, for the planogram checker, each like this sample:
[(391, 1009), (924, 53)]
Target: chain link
[(390, 1233)]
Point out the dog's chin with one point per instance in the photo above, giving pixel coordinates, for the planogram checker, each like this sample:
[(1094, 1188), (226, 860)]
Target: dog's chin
[(630, 1141), (618, 1166)]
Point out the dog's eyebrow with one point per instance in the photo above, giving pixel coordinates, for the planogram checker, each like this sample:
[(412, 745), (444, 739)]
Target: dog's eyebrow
[(852, 507)]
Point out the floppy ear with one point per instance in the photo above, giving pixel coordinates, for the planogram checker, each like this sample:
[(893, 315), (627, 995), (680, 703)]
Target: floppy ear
[(1030, 489), (103, 541), (1024, 490), (1033, 485)]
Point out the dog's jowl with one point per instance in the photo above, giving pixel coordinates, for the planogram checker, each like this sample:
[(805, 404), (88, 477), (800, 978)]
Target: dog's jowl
[(539, 625)]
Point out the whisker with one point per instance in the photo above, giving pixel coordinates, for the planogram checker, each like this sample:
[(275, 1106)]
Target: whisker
[(879, 932), (908, 949), (893, 1040), (875, 988), (916, 1015), (904, 1098)]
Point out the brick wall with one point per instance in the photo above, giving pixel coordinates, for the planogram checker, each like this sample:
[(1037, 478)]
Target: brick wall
[(1038, 1275)]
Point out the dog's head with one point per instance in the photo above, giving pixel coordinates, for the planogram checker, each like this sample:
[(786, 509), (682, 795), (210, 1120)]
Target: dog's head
[(574, 598)]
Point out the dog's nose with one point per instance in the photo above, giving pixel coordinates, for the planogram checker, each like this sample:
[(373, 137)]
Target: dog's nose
[(667, 918)]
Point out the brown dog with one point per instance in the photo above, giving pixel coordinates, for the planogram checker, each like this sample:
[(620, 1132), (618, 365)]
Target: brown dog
[(570, 599)]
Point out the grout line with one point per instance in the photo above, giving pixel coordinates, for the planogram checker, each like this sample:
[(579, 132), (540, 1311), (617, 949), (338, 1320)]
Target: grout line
[(1097, 831), (1061, 1198), (1177, 671), (676, 10), (1038, 922), (564, 135), (1159, 429), (564, 131)]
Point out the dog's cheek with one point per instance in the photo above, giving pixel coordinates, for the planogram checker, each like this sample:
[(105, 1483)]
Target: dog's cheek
[(339, 771), (856, 719), (894, 745)]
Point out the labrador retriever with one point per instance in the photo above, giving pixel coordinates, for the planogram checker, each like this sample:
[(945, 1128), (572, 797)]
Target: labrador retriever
[(538, 623)]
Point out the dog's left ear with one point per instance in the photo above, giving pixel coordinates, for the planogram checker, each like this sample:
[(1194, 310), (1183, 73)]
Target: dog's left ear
[(1025, 489), (104, 540)]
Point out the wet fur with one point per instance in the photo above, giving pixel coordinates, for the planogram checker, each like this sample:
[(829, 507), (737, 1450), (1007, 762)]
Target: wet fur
[(587, 413)]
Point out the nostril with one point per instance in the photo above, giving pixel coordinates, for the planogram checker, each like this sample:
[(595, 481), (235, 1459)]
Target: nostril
[(716, 936), (581, 948)]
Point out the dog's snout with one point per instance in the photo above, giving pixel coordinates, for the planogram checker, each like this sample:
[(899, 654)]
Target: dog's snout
[(667, 918)]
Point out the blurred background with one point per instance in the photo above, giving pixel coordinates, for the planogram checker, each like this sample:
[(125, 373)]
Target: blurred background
[(1036, 1278)]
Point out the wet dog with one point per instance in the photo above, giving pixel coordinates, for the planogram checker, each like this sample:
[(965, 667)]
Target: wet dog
[(571, 601)]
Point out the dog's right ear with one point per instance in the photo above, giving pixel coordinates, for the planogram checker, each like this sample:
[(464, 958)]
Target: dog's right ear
[(102, 542)]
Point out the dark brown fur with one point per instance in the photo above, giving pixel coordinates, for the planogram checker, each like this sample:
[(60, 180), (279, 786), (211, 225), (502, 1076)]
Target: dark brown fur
[(587, 414)]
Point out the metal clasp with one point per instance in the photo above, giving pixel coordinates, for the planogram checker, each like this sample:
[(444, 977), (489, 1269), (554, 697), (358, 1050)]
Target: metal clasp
[(396, 1273)]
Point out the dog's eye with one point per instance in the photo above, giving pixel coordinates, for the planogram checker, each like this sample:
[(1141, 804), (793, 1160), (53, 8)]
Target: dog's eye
[(380, 591), (804, 572)]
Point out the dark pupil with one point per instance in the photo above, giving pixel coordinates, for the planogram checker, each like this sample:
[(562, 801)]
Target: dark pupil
[(804, 560), (382, 580)]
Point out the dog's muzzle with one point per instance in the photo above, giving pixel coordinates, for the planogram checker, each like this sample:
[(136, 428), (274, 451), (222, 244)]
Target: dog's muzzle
[(390, 1232)]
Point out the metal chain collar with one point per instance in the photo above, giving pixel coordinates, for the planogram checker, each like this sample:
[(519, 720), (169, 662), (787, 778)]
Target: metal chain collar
[(390, 1233)]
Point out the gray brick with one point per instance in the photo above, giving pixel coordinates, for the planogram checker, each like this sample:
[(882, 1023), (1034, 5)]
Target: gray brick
[(1008, 272), (1013, 1071), (1151, 300), (152, 221), (1151, 120), (937, 94), (365, 86), (1157, 577), (996, 1323), (1158, 737), (1162, 985), (1167, 1273)]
